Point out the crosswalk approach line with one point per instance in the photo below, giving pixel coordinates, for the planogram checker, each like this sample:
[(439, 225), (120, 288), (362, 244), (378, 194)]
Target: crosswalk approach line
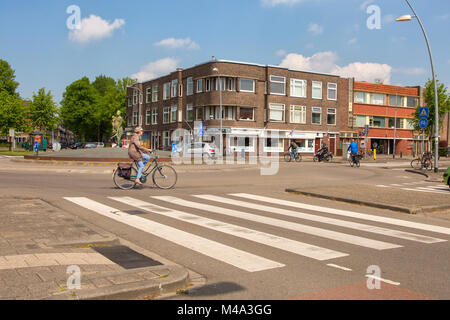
[(237, 258), (296, 247), (393, 221), (316, 218), (324, 233)]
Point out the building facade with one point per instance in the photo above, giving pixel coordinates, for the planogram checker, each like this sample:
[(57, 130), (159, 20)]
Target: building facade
[(385, 110), (256, 100)]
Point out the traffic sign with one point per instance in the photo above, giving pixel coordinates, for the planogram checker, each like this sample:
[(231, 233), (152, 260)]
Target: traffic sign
[(200, 131), (36, 146), (423, 123), (174, 148), (424, 112)]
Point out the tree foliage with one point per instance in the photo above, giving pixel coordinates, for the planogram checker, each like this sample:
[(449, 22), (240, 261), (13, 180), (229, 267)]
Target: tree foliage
[(14, 114), (7, 79), (43, 110)]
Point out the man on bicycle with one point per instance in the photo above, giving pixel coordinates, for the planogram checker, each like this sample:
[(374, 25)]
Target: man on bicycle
[(293, 149), (353, 147), (138, 152)]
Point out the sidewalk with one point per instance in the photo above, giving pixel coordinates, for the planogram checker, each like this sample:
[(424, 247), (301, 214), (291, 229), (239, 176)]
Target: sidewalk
[(39, 242)]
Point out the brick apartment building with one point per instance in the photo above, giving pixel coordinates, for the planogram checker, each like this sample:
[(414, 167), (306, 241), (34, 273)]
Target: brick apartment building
[(308, 107), (386, 109)]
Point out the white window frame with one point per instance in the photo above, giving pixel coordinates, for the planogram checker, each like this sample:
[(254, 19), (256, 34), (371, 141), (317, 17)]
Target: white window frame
[(253, 115), (174, 91), (231, 84), (135, 97), (155, 90), (166, 91), (299, 83), (207, 85), (315, 86), (166, 112), (148, 92), (147, 117), (278, 81), (199, 84), (320, 112), (277, 107), (335, 116), (190, 86), (333, 89), (154, 116), (135, 118), (240, 85), (190, 108), (302, 112), (173, 111)]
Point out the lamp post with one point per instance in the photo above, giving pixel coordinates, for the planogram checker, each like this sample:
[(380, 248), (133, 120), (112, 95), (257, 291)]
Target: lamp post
[(436, 106), (215, 69)]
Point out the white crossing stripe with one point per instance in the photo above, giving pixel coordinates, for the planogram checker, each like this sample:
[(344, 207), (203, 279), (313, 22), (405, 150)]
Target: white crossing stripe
[(337, 236), (418, 189), (338, 267), (218, 251), (383, 280), (346, 213), (337, 222), (271, 240)]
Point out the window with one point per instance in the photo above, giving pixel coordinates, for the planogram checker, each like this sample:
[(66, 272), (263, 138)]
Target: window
[(331, 117), (135, 118), (306, 146), (155, 116), (173, 114), (166, 136), (379, 122), (199, 113), (317, 90), (210, 113), (155, 93), (190, 112), (247, 85), (276, 112), (276, 146), (174, 88), (231, 84), (230, 113), (360, 97), (412, 102), (298, 88), (190, 86), (223, 82), (199, 85), (166, 115), (298, 114), (395, 100), (147, 117), (316, 117), (128, 121), (129, 102), (166, 92), (148, 95), (361, 121), (277, 85), (135, 97), (332, 91), (377, 98), (246, 114), (208, 85), (391, 123)]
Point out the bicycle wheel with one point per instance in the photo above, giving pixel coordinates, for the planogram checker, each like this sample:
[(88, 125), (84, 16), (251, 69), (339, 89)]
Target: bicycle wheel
[(416, 164), (358, 164), (351, 162), (287, 157), (316, 158), (428, 164), (124, 183), (298, 157), (165, 177)]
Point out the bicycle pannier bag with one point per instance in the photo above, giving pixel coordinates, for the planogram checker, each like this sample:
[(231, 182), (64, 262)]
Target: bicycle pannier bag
[(124, 170)]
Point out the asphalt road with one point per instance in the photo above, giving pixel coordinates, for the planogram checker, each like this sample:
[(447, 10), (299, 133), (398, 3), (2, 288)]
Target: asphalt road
[(287, 251)]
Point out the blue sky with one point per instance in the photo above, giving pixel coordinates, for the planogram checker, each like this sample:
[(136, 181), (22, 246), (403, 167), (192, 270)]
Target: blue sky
[(149, 38)]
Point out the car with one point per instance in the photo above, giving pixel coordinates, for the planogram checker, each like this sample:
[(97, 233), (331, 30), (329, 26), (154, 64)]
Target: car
[(203, 148), (100, 145), (90, 145), (447, 177), (77, 145), (64, 145)]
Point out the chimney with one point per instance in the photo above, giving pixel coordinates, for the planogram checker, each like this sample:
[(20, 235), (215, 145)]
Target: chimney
[(213, 58)]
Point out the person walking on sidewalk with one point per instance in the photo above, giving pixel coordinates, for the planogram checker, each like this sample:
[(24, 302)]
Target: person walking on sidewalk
[(138, 153)]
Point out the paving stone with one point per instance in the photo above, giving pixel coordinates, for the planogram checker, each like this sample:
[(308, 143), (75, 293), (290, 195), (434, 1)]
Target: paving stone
[(121, 279), (44, 287), (101, 282), (14, 292)]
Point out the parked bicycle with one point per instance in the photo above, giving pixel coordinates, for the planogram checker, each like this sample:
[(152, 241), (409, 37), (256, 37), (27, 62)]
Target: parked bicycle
[(288, 157), (163, 176), (424, 161)]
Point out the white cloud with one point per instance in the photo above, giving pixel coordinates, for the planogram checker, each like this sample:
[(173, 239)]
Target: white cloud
[(315, 29), (173, 43), (94, 28), (274, 3), (325, 62), (411, 71), (281, 53), (156, 69)]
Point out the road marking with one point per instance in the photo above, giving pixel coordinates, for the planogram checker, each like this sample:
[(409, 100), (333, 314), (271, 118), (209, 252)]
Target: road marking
[(382, 186), (337, 222), (338, 267), (424, 190), (383, 280), (271, 240), (337, 236), (218, 251), (346, 213)]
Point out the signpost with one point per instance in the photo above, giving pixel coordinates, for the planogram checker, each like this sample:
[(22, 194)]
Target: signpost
[(36, 147), (424, 114)]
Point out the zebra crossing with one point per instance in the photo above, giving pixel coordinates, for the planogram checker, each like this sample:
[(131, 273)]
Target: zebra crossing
[(242, 206), (419, 186)]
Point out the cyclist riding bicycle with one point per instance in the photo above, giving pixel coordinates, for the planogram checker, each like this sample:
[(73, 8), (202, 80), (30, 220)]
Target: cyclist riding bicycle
[(322, 152), (138, 153), (293, 149), (353, 147)]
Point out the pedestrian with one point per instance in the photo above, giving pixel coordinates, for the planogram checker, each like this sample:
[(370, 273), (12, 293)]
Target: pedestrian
[(27, 145), (137, 152), (44, 144)]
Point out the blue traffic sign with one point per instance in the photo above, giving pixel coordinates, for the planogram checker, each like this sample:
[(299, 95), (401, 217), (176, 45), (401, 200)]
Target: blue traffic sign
[(423, 123), (36, 146), (174, 148), (424, 112), (200, 131)]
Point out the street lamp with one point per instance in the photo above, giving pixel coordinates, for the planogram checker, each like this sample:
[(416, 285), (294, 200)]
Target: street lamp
[(215, 69), (436, 106)]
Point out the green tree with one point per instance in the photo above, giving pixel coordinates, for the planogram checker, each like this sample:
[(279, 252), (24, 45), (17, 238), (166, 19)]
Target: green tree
[(7, 79), (444, 107), (43, 110), (14, 114), (77, 106)]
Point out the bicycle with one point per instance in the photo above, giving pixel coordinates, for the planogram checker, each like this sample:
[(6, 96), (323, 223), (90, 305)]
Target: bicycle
[(423, 162), (288, 157), (163, 176), (355, 160)]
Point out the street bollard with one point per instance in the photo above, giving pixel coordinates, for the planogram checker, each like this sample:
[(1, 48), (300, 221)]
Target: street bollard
[(374, 154)]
